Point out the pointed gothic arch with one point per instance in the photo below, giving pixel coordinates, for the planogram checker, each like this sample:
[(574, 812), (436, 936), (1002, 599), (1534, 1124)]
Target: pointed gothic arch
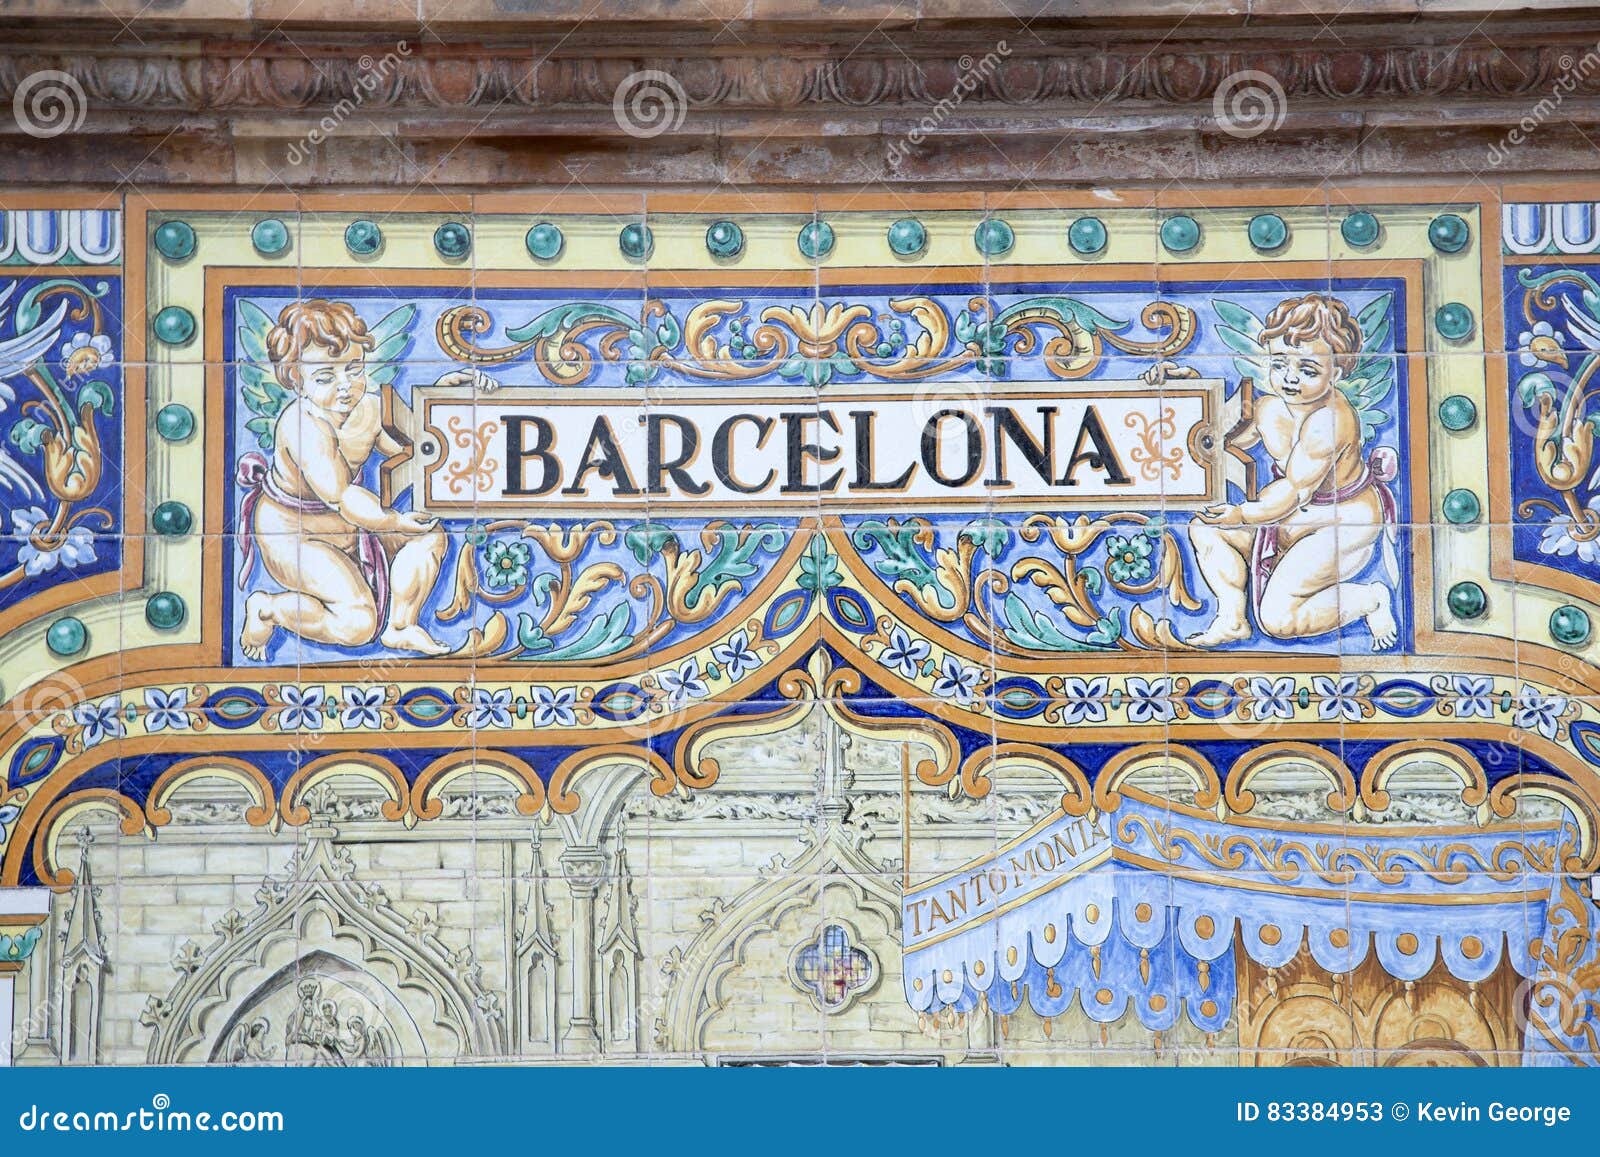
[(319, 905)]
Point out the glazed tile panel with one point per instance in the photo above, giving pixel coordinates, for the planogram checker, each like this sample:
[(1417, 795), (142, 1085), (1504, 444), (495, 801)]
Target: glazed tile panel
[(1034, 630)]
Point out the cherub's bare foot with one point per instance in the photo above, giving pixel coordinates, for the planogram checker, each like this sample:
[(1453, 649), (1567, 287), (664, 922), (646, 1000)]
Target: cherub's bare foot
[(1220, 632), (1380, 620), (412, 638), (257, 630)]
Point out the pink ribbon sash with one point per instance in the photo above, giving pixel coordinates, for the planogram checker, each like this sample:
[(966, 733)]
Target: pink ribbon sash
[(253, 475), (1382, 467)]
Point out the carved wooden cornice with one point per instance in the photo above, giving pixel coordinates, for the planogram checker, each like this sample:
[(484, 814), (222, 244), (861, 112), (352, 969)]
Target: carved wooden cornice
[(1033, 67), (1381, 91)]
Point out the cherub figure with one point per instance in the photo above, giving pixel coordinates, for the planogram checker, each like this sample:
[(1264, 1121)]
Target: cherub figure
[(351, 569), (1293, 553)]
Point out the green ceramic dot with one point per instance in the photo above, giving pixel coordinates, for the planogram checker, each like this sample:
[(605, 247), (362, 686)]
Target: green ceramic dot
[(453, 240), (66, 636), (165, 611), (545, 241), (1359, 229), (1453, 320), (175, 240), (1461, 506), (1087, 235), (363, 238), (174, 325), (994, 238), (636, 241), (724, 240), (1268, 232), (1180, 234), (270, 237), (1449, 233), (171, 519), (1457, 413), (1569, 626), (1467, 600), (816, 240), (907, 237), (175, 422)]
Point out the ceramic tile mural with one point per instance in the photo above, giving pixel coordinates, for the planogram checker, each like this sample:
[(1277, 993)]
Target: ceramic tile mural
[(1101, 629)]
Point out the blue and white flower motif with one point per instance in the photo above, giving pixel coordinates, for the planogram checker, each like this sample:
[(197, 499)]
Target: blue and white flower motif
[(362, 707), (687, 682), (1474, 696), (83, 355), (1084, 700), (1557, 538), (168, 710), (100, 721), (1539, 712), (552, 708), (490, 708), (1525, 340), (905, 654), (956, 681), (1272, 698), (77, 545), (8, 816), (1150, 700), (1338, 698), (302, 708), (735, 655)]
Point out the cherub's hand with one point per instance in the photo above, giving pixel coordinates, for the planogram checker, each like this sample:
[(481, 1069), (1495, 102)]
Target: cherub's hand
[(1162, 372), (1224, 515), (414, 522), (471, 376)]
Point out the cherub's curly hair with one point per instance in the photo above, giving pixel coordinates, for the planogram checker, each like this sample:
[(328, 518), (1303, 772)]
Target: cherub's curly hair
[(1316, 315), (333, 325)]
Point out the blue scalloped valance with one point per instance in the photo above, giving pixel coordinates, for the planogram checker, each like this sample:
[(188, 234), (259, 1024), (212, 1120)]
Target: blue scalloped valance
[(1143, 907)]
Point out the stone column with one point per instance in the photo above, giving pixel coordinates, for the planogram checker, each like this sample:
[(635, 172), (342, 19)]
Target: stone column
[(23, 912), (585, 869)]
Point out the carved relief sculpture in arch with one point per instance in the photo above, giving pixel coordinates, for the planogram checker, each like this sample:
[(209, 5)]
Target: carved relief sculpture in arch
[(320, 920)]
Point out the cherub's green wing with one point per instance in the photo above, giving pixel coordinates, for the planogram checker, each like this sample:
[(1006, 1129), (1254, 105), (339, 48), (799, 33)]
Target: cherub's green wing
[(265, 398), (393, 337), (258, 383), (1241, 332), (1369, 382)]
